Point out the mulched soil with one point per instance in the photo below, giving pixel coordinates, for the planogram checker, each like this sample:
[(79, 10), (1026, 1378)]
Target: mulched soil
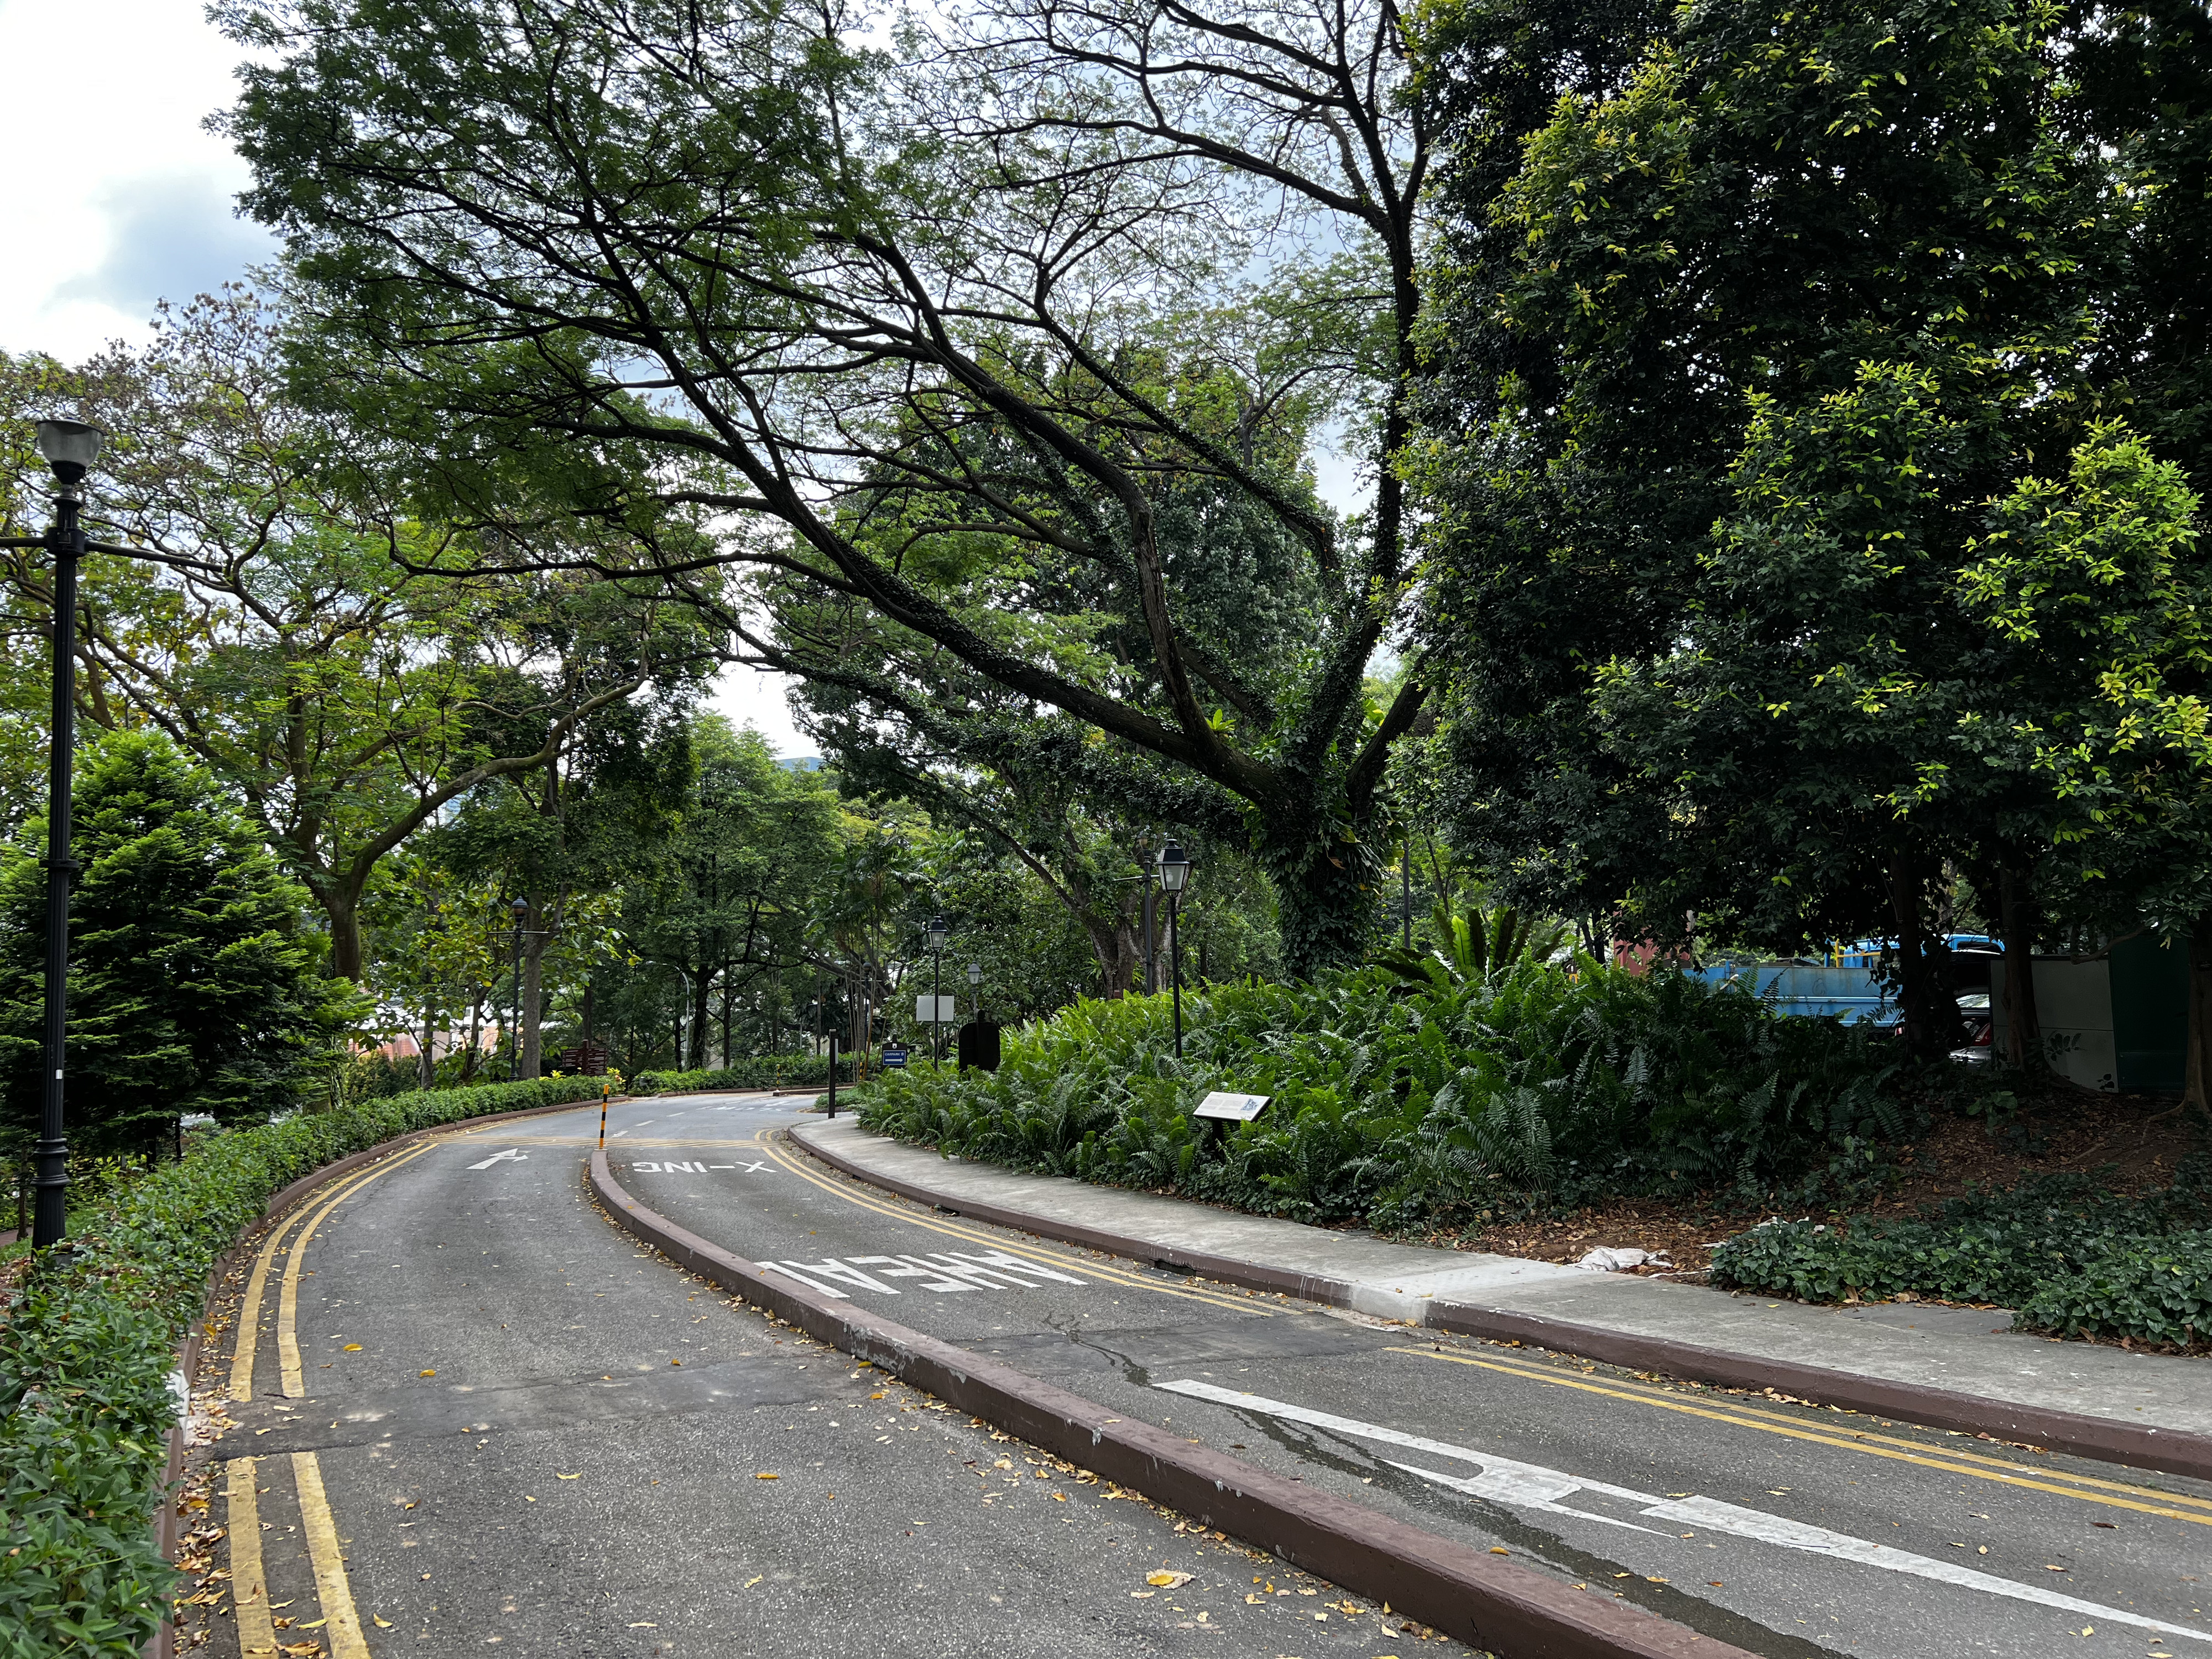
[(2135, 1139)]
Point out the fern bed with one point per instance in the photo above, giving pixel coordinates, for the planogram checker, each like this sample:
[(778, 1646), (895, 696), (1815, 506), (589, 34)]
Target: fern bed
[(1424, 1100)]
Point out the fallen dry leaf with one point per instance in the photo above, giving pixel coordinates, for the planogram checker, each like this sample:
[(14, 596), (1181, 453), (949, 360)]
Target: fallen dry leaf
[(1141, 1595), (764, 1477), (1166, 1580), (353, 1347), (380, 1621), (426, 1373), (579, 1475)]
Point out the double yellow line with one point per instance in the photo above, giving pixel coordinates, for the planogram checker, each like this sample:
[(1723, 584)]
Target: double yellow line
[(898, 1211), (2087, 1489), (341, 1625)]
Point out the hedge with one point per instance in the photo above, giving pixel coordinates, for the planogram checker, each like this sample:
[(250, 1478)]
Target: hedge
[(2068, 1257), (88, 1342), (759, 1072)]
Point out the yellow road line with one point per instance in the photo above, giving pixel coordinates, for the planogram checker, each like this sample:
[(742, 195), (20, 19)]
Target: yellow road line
[(288, 1300), (249, 1313), (343, 1628), (249, 1584), (897, 1212), (2056, 1482), (1757, 1417)]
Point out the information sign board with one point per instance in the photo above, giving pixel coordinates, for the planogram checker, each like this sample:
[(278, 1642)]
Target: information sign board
[(1237, 1109)]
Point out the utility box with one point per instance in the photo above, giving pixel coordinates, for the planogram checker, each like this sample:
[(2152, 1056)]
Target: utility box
[(2119, 1021)]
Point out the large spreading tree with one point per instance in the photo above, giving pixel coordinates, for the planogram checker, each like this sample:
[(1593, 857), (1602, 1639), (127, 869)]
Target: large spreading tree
[(1031, 278)]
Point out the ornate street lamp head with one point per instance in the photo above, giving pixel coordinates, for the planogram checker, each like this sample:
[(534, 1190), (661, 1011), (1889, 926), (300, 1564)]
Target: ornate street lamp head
[(70, 447)]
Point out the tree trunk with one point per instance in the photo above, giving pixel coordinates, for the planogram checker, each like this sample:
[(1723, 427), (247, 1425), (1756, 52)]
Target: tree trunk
[(1114, 944), (1328, 889), (584, 1014), (533, 998), (342, 911), (2199, 1088), (700, 989), (475, 1039), (2017, 920), (725, 1016), (429, 1065), (1930, 1009)]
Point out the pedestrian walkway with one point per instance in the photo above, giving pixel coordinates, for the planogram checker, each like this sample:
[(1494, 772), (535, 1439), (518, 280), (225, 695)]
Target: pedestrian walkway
[(1952, 1368)]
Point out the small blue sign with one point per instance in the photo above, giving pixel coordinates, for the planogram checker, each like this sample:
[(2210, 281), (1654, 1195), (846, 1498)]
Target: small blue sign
[(894, 1058)]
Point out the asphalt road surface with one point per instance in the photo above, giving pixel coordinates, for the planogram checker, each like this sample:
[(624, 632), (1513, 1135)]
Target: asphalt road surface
[(1785, 1529), (470, 1415)]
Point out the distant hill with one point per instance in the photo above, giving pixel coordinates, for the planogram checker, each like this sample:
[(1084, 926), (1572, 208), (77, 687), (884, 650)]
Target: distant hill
[(800, 762)]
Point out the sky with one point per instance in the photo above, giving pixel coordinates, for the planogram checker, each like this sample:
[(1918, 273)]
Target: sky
[(119, 199)]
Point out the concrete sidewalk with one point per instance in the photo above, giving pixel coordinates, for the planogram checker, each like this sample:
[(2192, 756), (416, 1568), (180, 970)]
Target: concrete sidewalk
[(1947, 1367)]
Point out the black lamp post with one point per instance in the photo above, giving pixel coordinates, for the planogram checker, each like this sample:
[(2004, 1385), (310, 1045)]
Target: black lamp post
[(937, 933), (521, 911), (1174, 867), (976, 987), (69, 448)]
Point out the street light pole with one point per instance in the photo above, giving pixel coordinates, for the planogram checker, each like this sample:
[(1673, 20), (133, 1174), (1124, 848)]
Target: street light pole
[(69, 448), (1174, 866), (939, 930)]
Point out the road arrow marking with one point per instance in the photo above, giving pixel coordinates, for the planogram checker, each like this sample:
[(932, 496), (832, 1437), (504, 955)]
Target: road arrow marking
[(1531, 1486), (513, 1152)]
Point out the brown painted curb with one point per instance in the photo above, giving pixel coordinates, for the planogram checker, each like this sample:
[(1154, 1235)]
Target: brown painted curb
[(1488, 1602), (2169, 1451), (166, 1529)]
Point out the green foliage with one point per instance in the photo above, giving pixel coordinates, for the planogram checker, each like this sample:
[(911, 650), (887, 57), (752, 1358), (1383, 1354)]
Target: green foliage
[(2069, 1256), (755, 1071), (87, 1345), (194, 984), (1495, 1093)]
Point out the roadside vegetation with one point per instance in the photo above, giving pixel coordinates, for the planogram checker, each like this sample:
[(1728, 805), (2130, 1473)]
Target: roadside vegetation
[(1430, 1104), (2070, 1256), (88, 1344)]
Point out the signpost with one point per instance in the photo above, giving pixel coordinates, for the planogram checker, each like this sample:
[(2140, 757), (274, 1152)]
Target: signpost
[(936, 1010), (894, 1057)]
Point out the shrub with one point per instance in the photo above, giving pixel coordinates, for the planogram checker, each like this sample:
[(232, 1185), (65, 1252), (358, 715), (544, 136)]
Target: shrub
[(757, 1071), (1494, 1090), (87, 1345), (2069, 1256)]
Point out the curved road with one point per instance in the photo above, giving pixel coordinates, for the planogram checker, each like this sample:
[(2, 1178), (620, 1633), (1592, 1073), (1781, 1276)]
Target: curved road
[(524, 1429)]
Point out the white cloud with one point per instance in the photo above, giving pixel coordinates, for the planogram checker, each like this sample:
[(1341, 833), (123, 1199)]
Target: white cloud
[(755, 697), (115, 197)]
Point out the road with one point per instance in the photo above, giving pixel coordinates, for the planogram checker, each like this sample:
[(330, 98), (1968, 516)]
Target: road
[(471, 1415), (1785, 1529)]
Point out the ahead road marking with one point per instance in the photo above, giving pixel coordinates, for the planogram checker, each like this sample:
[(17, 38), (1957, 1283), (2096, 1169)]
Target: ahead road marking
[(1531, 1486), (2173, 1506), (514, 1152)]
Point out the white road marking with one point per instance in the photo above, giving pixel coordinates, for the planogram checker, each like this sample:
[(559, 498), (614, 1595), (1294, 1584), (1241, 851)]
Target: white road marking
[(516, 1153), (692, 1167), (1530, 1486), (943, 1272)]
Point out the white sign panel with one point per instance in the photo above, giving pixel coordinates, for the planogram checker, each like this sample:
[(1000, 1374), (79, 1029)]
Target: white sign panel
[(943, 1015), (1237, 1109)]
